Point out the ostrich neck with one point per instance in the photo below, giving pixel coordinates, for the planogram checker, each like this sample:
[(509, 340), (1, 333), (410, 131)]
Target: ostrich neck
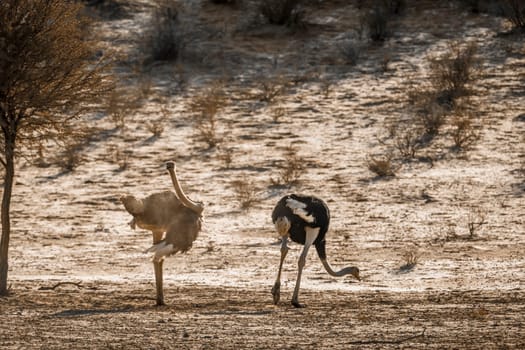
[(185, 200), (328, 269)]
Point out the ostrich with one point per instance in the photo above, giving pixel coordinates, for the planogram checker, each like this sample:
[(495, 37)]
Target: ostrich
[(166, 212), (305, 220)]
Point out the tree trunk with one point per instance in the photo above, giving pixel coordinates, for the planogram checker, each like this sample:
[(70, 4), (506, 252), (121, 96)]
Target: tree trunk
[(5, 218)]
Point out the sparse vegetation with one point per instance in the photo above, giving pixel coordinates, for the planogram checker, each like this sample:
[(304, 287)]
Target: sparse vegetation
[(452, 73), (205, 109), (163, 39), (411, 191)]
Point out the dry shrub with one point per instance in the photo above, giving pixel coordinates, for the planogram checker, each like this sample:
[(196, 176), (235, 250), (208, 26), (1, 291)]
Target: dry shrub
[(278, 113), (271, 89), (432, 121), (118, 106), (164, 38), (464, 131), (378, 15), (156, 126), (382, 167), (292, 169), (120, 157), (451, 72), (326, 87), (280, 12), (428, 113), (477, 217), (408, 141), (376, 21), (71, 156), (225, 154), (245, 192), (205, 108), (514, 11), (410, 259), (385, 62), (351, 51)]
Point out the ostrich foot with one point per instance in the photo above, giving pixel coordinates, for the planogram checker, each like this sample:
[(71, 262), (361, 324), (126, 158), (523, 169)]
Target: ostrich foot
[(296, 304), (276, 292)]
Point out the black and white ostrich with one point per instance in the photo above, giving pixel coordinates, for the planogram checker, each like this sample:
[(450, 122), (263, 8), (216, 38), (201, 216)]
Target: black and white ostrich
[(305, 220)]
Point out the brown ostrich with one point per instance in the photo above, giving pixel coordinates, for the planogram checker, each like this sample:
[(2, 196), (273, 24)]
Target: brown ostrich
[(174, 220)]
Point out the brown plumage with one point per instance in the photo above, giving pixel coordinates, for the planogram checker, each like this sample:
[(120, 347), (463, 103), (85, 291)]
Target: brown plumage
[(174, 220)]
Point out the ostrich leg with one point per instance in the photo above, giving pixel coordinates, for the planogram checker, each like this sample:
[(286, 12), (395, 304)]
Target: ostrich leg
[(157, 266), (311, 235), (276, 290)]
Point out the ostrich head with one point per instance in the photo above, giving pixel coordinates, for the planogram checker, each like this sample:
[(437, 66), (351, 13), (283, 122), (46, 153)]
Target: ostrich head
[(354, 271), (282, 225)]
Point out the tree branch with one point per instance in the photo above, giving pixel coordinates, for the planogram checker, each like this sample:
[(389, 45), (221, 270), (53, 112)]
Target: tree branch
[(78, 284)]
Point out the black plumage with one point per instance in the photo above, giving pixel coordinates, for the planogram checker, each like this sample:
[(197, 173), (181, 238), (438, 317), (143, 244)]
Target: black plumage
[(314, 207), (305, 220)]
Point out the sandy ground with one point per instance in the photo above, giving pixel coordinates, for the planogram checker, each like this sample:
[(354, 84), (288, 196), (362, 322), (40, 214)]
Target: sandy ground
[(78, 274)]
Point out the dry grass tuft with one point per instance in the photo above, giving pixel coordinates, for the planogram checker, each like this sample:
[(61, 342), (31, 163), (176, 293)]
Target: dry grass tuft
[(410, 259), (245, 192), (156, 126), (226, 156), (382, 167), (292, 169), (465, 129)]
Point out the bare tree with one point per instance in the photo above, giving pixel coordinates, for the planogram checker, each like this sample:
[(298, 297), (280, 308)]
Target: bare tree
[(49, 74)]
